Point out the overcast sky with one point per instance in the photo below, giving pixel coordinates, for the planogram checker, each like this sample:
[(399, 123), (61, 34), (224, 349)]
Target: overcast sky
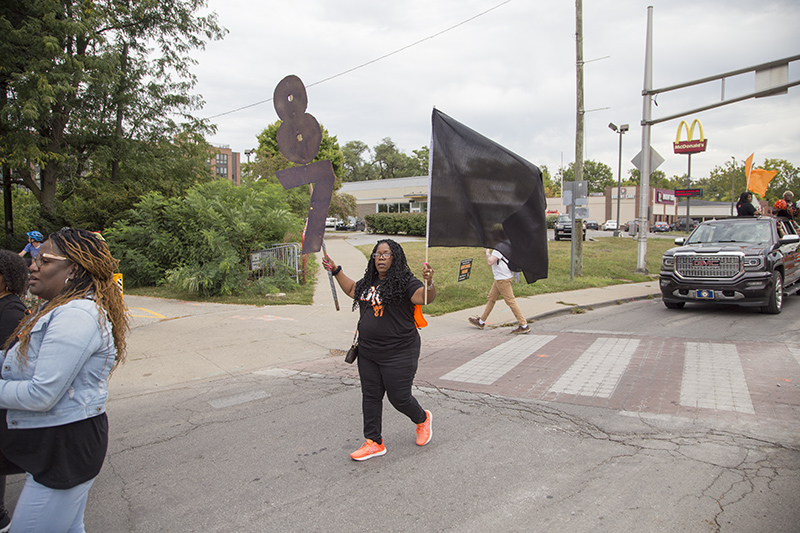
[(508, 74)]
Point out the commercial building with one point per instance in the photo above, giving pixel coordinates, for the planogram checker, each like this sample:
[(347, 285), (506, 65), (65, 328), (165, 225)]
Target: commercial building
[(410, 195)]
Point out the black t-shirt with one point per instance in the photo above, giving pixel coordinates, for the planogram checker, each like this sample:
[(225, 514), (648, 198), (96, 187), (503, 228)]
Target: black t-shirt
[(387, 327)]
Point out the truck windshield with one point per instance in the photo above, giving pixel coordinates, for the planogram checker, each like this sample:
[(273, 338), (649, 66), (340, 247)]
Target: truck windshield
[(756, 231)]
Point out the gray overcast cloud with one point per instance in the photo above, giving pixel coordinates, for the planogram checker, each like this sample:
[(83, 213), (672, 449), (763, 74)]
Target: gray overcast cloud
[(508, 74)]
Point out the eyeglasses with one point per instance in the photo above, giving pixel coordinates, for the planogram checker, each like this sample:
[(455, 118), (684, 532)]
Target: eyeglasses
[(52, 257), (381, 256)]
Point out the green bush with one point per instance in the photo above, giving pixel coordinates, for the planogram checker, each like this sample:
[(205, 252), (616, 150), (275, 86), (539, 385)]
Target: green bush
[(203, 241), (551, 221), (397, 223)]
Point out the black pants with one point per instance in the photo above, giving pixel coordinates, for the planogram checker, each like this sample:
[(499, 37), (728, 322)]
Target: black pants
[(391, 375)]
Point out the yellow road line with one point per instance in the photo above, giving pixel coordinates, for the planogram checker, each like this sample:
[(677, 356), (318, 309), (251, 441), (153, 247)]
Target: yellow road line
[(150, 314)]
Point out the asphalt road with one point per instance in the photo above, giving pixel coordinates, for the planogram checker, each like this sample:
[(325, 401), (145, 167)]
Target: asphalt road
[(264, 444)]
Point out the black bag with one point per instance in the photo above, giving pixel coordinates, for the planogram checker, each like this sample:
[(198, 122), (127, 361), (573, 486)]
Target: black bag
[(513, 267), (505, 249), (352, 353)]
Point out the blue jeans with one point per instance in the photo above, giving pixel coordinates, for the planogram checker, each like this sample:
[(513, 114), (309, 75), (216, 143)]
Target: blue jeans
[(43, 509)]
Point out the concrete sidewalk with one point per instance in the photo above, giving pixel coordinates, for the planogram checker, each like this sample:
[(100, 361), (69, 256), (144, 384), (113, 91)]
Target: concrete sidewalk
[(341, 248)]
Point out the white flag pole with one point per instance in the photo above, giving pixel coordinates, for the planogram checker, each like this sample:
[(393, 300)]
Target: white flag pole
[(428, 213)]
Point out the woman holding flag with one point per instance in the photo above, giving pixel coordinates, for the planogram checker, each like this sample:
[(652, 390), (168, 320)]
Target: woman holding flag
[(389, 299)]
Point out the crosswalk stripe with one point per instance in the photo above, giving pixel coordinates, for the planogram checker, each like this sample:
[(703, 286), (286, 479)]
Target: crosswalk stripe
[(713, 378), (598, 370), (494, 364)]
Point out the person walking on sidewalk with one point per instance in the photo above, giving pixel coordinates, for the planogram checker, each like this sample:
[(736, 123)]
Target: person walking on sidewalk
[(388, 341), (501, 287)]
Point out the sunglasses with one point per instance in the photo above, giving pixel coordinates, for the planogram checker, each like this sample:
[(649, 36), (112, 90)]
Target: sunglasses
[(39, 259), (381, 256)]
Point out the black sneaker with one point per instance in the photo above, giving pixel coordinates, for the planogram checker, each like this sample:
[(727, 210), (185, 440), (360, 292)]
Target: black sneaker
[(5, 522)]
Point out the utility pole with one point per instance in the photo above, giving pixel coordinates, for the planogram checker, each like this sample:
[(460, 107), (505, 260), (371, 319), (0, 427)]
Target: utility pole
[(577, 233)]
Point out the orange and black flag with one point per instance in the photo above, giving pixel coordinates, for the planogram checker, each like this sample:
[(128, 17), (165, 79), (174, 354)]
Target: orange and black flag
[(482, 194), (757, 178)]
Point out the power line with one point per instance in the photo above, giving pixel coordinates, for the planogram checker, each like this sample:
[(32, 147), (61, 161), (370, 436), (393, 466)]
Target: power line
[(371, 61)]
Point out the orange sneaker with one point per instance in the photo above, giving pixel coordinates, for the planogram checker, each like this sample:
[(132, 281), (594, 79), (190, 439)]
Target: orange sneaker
[(368, 449), (424, 430)]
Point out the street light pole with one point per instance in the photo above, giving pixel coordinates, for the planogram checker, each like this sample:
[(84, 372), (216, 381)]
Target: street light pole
[(733, 186), (621, 130)]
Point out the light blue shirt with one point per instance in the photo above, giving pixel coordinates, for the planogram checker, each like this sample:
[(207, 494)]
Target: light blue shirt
[(65, 378)]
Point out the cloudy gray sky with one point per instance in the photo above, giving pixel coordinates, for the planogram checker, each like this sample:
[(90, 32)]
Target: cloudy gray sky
[(508, 74)]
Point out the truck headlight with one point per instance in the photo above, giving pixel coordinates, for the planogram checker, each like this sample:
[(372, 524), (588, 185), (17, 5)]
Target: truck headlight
[(753, 262)]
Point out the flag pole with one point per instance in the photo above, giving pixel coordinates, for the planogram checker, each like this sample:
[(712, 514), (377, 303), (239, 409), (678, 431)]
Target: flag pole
[(428, 213)]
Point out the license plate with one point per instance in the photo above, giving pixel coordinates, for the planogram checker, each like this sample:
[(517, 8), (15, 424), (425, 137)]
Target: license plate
[(704, 294)]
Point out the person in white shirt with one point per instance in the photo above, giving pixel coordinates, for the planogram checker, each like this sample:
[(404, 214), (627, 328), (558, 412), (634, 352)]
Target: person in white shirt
[(501, 287)]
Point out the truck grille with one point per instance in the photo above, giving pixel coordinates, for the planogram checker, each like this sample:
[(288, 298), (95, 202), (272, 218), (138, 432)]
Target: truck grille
[(708, 265)]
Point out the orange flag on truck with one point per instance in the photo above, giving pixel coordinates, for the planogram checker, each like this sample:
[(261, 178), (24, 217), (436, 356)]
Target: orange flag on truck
[(757, 178)]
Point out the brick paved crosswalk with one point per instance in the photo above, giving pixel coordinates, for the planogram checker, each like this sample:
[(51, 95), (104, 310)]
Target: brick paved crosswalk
[(729, 380)]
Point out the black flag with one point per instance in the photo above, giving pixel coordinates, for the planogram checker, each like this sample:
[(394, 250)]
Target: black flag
[(482, 194)]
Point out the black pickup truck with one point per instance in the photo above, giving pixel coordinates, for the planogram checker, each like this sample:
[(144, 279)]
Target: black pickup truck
[(743, 261)]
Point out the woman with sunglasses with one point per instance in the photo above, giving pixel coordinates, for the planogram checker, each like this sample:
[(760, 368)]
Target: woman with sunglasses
[(54, 385), (388, 341)]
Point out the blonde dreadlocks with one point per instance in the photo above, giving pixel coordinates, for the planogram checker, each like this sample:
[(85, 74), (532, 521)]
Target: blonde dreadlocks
[(94, 278)]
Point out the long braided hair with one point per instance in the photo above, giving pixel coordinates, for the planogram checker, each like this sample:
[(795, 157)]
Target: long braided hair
[(94, 278), (393, 287)]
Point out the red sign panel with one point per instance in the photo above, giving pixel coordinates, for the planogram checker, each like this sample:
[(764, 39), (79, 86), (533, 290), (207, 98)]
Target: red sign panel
[(684, 193), (690, 147)]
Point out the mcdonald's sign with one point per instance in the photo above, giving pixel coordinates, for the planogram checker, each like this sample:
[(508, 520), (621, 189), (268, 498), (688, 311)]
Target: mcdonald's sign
[(690, 145)]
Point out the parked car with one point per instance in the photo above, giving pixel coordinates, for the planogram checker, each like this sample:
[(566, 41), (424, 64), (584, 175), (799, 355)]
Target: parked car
[(563, 228), (352, 224), (610, 225), (742, 261), (592, 224), (660, 227), (330, 222), (680, 224)]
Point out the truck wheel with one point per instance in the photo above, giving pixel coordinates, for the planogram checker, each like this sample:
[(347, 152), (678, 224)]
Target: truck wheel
[(775, 303), (674, 305)]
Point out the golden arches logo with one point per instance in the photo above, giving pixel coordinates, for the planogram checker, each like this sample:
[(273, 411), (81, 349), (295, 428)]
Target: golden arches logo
[(689, 146)]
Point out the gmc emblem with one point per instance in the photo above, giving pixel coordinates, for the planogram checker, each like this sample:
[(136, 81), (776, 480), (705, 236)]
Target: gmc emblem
[(705, 262)]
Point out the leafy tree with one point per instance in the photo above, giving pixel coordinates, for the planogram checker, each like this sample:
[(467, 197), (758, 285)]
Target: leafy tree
[(717, 186), (82, 88), (201, 242), (598, 175), (389, 160), (92, 201), (418, 164), (355, 167), (787, 179), (343, 205), (658, 179), (552, 188), (269, 160)]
